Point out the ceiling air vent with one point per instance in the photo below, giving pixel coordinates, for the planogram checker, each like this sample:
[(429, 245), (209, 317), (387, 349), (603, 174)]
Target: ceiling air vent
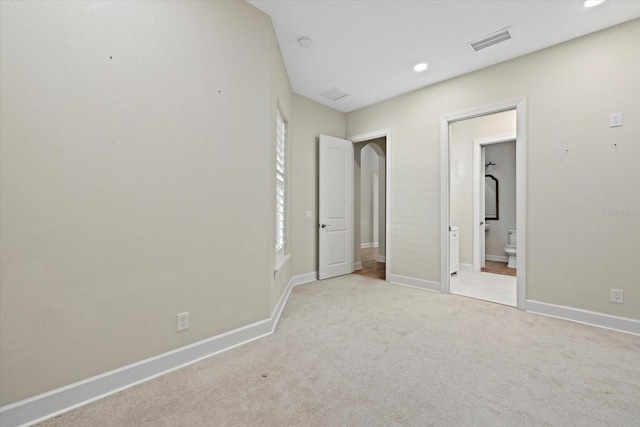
[(333, 94), (491, 39)]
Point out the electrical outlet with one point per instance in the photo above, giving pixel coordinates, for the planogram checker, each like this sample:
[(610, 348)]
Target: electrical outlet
[(615, 120), (183, 321), (617, 295)]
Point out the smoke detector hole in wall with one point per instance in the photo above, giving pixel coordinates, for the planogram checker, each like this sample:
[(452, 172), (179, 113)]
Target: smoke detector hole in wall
[(304, 42)]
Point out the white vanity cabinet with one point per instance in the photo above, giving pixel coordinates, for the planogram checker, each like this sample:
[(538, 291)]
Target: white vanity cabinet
[(454, 249)]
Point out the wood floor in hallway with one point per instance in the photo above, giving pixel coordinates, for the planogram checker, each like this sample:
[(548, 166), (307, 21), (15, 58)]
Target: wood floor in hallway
[(497, 267), (371, 267)]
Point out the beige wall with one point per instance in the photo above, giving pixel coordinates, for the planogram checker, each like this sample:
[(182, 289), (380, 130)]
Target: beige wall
[(311, 120), (137, 182), (462, 135), (578, 167), (281, 98)]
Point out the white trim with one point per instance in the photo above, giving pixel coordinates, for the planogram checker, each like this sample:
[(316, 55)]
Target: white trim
[(387, 161), (55, 402), (466, 267), (369, 245), (601, 320), (501, 258), (277, 310), (304, 278), (357, 266), (381, 258), (414, 283), (520, 105), (478, 175), (281, 262)]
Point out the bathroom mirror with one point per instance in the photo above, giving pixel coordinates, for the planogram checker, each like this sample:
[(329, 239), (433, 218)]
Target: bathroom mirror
[(490, 197)]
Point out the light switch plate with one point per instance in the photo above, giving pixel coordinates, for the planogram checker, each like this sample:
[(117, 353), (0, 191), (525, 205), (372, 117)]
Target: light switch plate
[(308, 215)]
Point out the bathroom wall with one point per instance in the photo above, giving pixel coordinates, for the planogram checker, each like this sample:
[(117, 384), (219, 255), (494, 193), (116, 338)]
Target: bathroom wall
[(582, 175), (463, 134), (504, 156)]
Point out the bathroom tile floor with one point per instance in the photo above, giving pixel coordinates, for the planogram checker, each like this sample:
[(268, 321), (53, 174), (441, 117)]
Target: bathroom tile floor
[(485, 286)]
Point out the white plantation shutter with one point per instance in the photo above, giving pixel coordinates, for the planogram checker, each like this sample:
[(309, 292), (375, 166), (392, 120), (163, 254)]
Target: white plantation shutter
[(281, 198)]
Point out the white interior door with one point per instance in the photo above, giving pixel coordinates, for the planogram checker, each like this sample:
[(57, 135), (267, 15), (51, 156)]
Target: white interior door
[(335, 251), (483, 221)]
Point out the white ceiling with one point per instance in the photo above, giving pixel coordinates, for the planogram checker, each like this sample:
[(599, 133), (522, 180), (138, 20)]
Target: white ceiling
[(368, 48)]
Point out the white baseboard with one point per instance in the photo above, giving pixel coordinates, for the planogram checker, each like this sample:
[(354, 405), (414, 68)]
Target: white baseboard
[(381, 258), (415, 283), (357, 265), (501, 258), (304, 278), (601, 320), (50, 404), (369, 245), (466, 267)]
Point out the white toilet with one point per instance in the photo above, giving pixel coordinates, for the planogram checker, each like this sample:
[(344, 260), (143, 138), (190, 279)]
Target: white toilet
[(510, 249)]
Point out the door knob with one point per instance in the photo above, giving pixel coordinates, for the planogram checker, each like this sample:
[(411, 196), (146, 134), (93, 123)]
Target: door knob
[(324, 225)]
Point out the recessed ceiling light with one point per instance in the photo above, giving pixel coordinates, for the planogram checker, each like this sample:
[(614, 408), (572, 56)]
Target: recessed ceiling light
[(420, 67), (591, 3)]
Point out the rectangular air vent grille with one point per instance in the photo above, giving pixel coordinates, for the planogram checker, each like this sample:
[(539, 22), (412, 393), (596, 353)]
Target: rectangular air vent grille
[(490, 40), (333, 94)]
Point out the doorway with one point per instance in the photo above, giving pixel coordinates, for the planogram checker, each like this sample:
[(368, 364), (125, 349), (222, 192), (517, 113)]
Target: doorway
[(463, 210), (337, 243), (376, 260), (369, 208)]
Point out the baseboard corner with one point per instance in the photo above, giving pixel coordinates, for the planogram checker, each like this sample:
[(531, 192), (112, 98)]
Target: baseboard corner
[(426, 285), (592, 318)]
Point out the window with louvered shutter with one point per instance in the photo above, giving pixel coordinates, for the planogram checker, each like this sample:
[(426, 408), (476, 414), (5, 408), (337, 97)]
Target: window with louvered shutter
[(281, 183)]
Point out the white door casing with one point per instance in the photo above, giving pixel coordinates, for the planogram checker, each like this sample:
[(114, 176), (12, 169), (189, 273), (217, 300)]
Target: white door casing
[(479, 236), (482, 220), (336, 207), (386, 133), (520, 105)]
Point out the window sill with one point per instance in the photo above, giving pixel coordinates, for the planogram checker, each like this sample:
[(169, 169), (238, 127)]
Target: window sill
[(281, 262)]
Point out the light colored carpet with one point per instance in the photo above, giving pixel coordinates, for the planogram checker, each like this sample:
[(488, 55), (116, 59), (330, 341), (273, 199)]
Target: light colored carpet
[(353, 351)]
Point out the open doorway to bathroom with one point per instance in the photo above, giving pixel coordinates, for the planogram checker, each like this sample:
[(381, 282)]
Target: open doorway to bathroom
[(483, 187), (495, 237)]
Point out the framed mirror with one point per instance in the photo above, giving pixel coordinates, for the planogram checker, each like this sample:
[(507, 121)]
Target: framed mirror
[(491, 206)]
